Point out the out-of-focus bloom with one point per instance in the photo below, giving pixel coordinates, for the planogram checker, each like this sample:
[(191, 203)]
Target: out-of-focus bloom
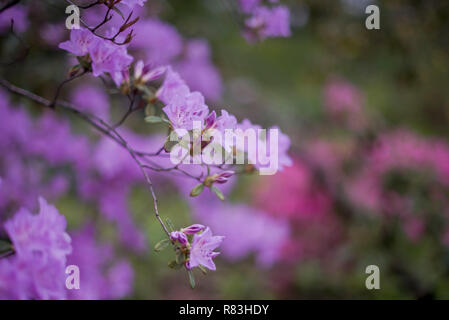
[(160, 41), (399, 164), (247, 230), (268, 22), (194, 228), (295, 196), (343, 101), (52, 33), (248, 6), (198, 71), (102, 276), (202, 250), (264, 147), (132, 3), (17, 13), (41, 245), (40, 235), (91, 99)]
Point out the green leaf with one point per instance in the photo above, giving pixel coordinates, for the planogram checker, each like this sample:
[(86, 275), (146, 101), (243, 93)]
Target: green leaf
[(197, 190), (168, 145), (218, 193), (191, 279), (203, 270), (170, 224), (154, 119), (180, 258), (119, 12), (161, 245), (5, 246), (174, 265)]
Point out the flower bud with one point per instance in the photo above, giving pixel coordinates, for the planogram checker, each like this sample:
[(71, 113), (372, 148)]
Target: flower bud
[(194, 228), (179, 236), (223, 177)]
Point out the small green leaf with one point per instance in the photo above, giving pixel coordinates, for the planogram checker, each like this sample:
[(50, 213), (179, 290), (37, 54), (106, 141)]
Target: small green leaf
[(5, 246), (191, 279), (218, 193), (197, 190), (154, 119), (174, 265), (170, 224), (119, 12), (161, 245), (180, 258), (203, 270), (168, 145)]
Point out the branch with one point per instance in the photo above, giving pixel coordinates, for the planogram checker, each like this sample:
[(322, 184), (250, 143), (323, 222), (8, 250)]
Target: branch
[(9, 5), (98, 124)]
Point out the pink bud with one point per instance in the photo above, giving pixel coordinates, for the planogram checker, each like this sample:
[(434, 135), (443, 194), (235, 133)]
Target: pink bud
[(194, 228), (224, 176), (179, 236)]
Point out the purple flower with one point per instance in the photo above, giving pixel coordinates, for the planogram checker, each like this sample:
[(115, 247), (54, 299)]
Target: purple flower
[(41, 244), (266, 22), (145, 73), (179, 236), (91, 99), (18, 13), (42, 234), (108, 57), (198, 70), (248, 6), (102, 277), (182, 111), (160, 41), (202, 251), (172, 87), (80, 42), (194, 228), (223, 122)]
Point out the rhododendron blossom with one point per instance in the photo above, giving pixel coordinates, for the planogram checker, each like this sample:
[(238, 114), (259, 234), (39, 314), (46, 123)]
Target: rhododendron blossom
[(202, 250)]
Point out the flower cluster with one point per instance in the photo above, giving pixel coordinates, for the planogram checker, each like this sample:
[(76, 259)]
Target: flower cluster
[(41, 245), (103, 55)]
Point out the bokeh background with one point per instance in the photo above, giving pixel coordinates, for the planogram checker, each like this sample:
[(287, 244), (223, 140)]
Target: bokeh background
[(368, 117)]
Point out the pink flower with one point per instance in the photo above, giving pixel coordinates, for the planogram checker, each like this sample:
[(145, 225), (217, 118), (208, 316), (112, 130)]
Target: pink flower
[(202, 250)]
